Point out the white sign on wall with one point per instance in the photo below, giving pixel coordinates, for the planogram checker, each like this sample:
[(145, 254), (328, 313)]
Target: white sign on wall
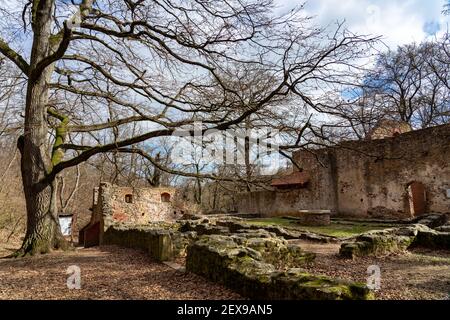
[(66, 225)]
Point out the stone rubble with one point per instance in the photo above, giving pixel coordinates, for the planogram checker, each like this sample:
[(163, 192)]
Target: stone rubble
[(395, 240), (242, 263), (258, 261)]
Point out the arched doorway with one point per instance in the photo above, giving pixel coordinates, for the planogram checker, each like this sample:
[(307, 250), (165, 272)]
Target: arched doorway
[(416, 198)]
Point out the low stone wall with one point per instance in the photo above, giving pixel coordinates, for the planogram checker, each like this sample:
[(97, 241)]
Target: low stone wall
[(395, 240), (289, 234), (432, 220), (226, 225), (241, 262), (444, 228), (433, 240), (160, 244), (375, 244), (164, 241)]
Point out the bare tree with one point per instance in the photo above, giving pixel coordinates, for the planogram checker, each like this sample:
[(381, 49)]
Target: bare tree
[(446, 9), (64, 202), (155, 62), (409, 85), (399, 77)]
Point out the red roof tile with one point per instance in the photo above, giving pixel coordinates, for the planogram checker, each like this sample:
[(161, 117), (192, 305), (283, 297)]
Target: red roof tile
[(295, 178)]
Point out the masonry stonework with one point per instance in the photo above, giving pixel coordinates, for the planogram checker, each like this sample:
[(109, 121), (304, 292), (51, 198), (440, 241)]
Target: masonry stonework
[(114, 205), (367, 178)]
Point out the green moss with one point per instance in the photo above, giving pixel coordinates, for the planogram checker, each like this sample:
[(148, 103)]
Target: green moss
[(34, 10), (7, 50), (238, 270), (60, 136), (334, 229), (55, 40), (318, 282), (360, 291), (378, 243)]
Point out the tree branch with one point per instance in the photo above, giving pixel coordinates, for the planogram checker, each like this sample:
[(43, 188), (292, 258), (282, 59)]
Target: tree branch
[(12, 55), (106, 125)]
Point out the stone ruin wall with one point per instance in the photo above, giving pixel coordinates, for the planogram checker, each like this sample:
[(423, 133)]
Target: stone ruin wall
[(375, 179), (146, 205), (366, 178), (285, 202)]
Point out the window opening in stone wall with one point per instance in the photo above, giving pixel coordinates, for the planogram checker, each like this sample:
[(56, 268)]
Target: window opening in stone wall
[(165, 197), (129, 198)]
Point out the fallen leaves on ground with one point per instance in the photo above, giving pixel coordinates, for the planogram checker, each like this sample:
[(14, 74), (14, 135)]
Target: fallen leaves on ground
[(107, 272), (417, 275), (112, 272)]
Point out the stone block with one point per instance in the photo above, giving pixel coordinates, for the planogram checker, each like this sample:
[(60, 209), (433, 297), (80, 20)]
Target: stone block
[(313, 217), (433, 240), (160, 245), (432, 220)]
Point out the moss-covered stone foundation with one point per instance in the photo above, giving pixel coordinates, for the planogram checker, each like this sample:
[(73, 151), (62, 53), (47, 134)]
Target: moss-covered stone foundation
[(161, 244), (241, 262), (395, 240)]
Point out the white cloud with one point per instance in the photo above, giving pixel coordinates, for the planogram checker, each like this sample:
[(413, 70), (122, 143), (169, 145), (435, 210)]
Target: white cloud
[(397, 21)]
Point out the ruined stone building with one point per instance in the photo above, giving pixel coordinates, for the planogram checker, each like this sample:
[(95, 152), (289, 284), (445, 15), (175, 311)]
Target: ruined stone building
[(126, 205), (401, 176)]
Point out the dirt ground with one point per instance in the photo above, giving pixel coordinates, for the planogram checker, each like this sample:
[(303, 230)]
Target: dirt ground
[(106, 273), (420, 274), (117, 273)]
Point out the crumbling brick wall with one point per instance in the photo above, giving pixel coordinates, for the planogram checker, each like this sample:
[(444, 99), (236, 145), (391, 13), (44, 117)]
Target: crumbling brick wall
[(136, 205), (133, 206)]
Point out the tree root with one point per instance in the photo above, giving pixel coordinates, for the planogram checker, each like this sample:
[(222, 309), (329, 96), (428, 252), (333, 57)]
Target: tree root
[(31, 247)]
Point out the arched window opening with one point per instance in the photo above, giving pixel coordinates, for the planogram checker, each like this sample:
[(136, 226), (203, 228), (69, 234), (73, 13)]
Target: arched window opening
[(165, 197)]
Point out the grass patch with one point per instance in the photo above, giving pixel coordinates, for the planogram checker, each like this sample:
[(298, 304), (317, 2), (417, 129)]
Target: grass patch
[(430, 256), (340, 230), (434, 260)]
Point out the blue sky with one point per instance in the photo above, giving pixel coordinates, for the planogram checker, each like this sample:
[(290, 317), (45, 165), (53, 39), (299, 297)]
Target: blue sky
[(398, 21)]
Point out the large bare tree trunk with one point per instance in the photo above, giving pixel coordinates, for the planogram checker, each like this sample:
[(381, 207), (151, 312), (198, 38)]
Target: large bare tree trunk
[(43, 232)]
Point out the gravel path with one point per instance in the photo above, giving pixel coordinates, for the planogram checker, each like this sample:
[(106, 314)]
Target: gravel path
[(106, 273)]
